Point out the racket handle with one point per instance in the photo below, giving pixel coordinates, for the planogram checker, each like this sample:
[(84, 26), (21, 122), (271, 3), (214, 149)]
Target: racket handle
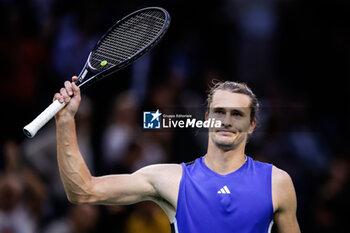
[(33, 127)]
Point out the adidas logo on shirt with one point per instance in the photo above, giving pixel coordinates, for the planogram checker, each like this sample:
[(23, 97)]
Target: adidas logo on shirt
[(224, 190)]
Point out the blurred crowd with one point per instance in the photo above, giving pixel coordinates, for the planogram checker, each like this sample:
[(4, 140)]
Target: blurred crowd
[(294, 54)]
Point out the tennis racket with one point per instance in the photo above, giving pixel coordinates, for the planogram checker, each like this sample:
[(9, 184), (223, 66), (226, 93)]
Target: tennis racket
[(126, 41)]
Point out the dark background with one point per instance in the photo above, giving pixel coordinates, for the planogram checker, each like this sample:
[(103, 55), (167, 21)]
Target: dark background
[(293, 54)]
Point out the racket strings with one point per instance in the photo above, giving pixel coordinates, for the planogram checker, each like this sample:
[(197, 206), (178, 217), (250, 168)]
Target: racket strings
[(139, 33), (128, 38)]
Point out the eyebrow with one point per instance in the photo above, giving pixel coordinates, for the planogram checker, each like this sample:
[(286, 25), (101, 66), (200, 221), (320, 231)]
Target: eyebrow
[(218, 108), (235, 110), (238, 109)]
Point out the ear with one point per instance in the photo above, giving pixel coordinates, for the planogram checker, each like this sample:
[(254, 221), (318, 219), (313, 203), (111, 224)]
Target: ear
[(206, 115), (252, 126)]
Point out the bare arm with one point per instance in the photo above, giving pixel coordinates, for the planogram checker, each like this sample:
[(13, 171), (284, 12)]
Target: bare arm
[(80, 185), (285, 202)]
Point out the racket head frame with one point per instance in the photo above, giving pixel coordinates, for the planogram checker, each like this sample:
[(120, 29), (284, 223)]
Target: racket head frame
[(100, 74)]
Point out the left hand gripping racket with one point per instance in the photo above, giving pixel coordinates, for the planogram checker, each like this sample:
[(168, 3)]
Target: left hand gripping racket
[(126, 41)]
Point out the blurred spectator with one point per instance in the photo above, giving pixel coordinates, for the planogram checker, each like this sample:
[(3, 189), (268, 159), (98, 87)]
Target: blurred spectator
[(155, 147), (22, 194), (79, 219), (71, 47), (15, 215), (120, 131), (147, 218), (22, 53), (140, 76), (331, 202), (124, 147)]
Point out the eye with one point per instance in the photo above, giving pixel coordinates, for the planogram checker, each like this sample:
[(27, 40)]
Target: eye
[(237, 113), (219, 111)]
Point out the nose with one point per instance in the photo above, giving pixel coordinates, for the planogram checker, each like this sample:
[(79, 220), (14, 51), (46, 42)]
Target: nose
[(226, 121)]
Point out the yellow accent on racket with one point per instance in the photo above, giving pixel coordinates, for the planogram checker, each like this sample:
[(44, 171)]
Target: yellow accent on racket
[(103, 63)]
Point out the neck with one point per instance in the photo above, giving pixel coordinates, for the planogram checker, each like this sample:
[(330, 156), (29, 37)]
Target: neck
[(224, 162)]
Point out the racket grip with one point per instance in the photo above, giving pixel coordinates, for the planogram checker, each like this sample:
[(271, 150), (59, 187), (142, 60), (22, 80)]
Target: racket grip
[(33, 127)]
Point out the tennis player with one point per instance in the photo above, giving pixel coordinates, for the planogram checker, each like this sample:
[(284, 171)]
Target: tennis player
[(224, 191)]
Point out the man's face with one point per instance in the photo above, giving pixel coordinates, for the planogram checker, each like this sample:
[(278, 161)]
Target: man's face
[(233, 110)]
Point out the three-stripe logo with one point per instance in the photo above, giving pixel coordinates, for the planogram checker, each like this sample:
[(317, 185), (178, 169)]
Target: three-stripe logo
[(224, 190)]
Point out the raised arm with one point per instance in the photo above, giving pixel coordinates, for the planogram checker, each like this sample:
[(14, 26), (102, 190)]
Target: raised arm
[(157, 182), (80, 185), (285, 202)]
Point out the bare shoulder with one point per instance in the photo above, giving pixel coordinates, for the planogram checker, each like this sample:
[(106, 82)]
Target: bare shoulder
[(283, 192), (159, 170), (280, 177), (165, 179)]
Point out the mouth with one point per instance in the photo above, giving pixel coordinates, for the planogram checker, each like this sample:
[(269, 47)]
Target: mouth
[(225, 132)]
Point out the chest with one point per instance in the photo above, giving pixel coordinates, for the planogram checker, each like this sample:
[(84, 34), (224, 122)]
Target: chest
[(230, 195), (239, 203)]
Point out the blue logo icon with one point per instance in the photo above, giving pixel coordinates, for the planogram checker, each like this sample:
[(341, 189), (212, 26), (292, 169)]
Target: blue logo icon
[(151, 120)]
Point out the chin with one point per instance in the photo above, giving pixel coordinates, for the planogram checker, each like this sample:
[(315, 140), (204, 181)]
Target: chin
[(225, 146), (224, 143)]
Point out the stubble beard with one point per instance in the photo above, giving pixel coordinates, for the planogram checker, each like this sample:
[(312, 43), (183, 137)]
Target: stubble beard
[(230, 145)]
